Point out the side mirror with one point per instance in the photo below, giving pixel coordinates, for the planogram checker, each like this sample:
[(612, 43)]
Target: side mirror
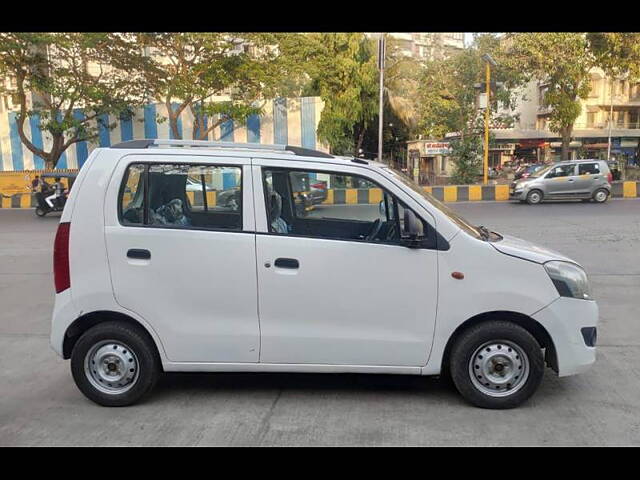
[(412, 231), (381, 208)]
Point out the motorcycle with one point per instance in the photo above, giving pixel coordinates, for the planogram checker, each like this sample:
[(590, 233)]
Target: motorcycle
[(43, 207)]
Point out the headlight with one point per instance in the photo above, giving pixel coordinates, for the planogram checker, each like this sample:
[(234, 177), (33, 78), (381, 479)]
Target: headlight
[(570, 280)]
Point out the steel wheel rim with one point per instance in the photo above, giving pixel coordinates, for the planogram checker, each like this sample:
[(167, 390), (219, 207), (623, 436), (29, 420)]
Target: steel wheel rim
[(499, 368), (111, 367), (534, 197), (601, 196)]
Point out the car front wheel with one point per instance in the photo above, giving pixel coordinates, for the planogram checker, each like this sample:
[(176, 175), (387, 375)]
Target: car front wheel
[(496, 364), (534, 197)]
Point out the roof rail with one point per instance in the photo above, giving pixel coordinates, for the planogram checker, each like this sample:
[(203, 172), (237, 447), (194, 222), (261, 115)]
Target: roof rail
[(299, 151)]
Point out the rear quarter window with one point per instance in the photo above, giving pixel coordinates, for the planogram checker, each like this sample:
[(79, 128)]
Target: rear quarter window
[(588, 169)]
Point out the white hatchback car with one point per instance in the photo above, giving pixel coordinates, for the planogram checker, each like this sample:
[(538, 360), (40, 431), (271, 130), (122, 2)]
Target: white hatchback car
[(153, 277)]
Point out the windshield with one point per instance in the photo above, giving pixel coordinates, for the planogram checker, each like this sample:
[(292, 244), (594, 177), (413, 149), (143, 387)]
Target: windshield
[(453, 216)]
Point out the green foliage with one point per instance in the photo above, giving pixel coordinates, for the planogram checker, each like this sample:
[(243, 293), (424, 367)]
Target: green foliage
[(56, 73), (448, 96), (341, 68), (618, 54), (191, 69), (466, 153), (562, 61)]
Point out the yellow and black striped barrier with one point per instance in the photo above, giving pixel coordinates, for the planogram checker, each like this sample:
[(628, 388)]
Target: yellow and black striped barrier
[(458, 193), (350, 196)]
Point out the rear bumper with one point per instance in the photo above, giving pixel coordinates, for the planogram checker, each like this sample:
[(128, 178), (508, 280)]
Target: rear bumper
[(564, 319), (64, 313)]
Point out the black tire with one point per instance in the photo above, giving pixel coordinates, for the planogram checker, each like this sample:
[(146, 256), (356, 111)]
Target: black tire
[(597, 195), (495, 331), (40, 212), (148, 362), (534, 197)]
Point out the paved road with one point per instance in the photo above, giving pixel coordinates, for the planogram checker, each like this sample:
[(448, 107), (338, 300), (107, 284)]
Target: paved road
[(40, 405)]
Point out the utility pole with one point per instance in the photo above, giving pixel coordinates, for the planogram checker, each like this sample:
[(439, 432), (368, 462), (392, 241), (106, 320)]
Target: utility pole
[(610, 121), (485, 165), (381, 52)]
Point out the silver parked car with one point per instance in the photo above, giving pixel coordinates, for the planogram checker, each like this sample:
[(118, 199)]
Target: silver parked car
[(575, 179)]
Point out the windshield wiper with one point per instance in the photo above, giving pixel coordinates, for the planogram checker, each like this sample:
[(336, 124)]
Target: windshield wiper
[(484, 232)]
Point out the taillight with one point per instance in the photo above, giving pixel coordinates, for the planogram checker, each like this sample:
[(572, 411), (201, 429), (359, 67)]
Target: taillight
[(321, 186), (61, 275), (525, 175), (609, 177)]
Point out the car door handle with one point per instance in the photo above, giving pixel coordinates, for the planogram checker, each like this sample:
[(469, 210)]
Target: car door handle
[(570, 180), (140, 253), (287, 263)]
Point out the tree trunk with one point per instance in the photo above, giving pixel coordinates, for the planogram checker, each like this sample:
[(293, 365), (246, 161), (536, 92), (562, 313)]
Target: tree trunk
[(57, 148), (359, 142), (566, 132), (173, 119)]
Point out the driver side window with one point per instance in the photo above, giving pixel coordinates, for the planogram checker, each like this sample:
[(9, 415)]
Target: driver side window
[(561, 171), (329, 205)]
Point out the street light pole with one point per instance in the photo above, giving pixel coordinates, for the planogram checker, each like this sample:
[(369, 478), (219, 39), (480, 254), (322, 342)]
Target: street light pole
[(381, 52), (485, 164), (610, 121)]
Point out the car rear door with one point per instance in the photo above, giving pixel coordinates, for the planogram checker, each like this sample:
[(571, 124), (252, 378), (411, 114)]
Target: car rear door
[(180, 261), (589, 177)]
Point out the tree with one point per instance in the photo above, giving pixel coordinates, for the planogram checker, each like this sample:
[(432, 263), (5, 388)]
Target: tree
[(187, 70), (72, 84), (448, 101), (561, 62), (618, 54), (341, 69), (467, 153)]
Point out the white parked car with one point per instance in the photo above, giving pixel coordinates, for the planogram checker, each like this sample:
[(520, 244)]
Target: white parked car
[(148, 283)]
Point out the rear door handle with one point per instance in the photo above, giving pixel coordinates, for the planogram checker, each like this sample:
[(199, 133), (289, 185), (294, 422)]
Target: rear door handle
[(287, 263), (140, 253)]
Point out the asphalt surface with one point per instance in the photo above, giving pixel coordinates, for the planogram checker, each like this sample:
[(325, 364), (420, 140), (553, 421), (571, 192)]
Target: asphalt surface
[(40, 405)]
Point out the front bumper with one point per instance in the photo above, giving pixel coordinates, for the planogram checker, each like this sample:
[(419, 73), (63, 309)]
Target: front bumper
[(521, 194), (564, 319)]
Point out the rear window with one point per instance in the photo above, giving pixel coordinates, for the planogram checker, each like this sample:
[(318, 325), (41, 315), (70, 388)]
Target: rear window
[(182, 196), (588, 168)]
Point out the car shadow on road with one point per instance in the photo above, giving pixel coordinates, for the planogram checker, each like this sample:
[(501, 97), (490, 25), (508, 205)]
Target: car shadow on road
[(172, 383)]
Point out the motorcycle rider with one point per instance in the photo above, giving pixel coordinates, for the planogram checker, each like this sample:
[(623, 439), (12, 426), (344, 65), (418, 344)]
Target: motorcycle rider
[(58, 190)]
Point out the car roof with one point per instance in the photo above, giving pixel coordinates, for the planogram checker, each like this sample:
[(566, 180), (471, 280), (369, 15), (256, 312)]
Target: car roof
[(270, 151)]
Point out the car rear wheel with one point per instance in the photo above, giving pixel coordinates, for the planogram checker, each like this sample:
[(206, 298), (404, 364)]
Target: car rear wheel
[(115, 364), (534, 197), (600, 196), (496, 364)]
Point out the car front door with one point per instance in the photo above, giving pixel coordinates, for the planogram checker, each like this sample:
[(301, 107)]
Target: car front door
[(335, 286), (560, 181), (180, 260)]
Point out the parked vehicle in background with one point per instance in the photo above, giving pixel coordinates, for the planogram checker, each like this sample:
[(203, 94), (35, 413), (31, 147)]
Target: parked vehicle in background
[(148, 283), (318, 191), (578, 179), (42, 207), (526, 170)]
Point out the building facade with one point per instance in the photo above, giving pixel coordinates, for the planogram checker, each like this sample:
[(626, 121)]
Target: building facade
[(290, 121), (531, 139), (427, 46)]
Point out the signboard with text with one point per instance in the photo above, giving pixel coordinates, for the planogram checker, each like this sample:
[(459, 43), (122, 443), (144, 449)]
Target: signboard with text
[(437, 148)]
